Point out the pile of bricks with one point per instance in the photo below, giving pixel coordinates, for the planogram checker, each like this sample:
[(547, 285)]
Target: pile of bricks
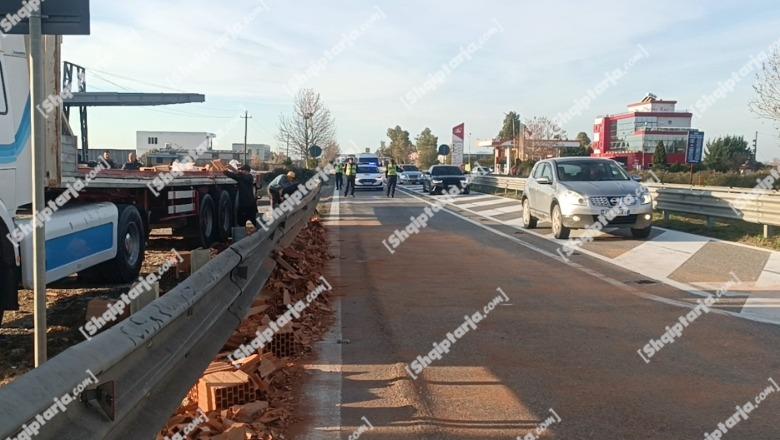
[(254, 398)]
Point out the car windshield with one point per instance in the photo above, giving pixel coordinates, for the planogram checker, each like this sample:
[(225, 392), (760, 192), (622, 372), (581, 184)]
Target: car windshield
[(590, 171), (367, 169), (446, 171), (410, 168)]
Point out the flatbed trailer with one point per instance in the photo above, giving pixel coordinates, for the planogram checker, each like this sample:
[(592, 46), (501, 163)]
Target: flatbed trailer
[(97, 221)]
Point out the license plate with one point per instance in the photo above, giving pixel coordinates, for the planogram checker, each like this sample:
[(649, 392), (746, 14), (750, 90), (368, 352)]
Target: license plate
[(616, 212)]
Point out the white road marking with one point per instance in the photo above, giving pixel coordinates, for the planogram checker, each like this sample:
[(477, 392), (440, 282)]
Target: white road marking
[(661, 256)]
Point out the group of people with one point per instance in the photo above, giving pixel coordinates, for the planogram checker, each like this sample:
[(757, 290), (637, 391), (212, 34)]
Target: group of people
[(132, 164), (349, 169), (281, 186)]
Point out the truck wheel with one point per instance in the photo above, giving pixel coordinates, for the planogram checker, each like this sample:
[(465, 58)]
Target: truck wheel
[(207, 221), (130, 245), (225, 216), (130, 248)]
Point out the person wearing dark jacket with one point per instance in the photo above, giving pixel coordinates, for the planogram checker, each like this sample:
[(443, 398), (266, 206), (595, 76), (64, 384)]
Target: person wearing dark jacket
[(247, 201), (132, 163), (108, 160)]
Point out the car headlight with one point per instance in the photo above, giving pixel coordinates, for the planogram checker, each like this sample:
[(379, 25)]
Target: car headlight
[(437, 181), (646, 198), (464, 181), (572, 198)]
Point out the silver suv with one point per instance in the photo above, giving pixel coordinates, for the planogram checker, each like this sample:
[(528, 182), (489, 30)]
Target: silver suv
[(586, 193)]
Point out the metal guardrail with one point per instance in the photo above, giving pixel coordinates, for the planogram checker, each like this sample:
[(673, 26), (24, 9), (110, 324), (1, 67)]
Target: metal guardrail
[(146, 364), (746, 204)]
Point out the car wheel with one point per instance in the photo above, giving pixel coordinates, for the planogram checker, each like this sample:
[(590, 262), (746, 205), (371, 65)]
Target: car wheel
[(529, 221), (559, 230), (641, 233)]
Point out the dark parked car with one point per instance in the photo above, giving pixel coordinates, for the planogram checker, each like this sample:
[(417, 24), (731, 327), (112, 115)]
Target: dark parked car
[(443, 177)]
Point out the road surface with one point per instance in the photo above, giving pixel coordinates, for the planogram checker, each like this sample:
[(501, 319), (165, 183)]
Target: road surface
[(563, 358)]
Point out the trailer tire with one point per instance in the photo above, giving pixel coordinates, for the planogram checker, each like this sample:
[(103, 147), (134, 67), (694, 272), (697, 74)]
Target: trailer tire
[(9, 282), (225, 216), (207, 221), (130, 245)]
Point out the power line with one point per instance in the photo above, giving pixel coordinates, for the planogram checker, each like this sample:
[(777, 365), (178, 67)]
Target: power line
[(92, 69)]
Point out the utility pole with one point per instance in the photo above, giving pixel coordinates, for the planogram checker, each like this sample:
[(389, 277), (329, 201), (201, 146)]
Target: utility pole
[(755, 148), (37, 87), (246, 119)]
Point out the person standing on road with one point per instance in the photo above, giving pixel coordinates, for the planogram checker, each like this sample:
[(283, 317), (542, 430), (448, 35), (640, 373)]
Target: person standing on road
[(350, 170), (339, 175), (391, 174), (247, 200)]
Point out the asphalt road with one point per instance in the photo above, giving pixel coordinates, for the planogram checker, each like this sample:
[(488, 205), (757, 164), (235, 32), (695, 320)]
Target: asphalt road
[(559, 360)]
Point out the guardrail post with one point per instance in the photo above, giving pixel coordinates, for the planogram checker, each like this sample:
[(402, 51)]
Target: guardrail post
[(710, 222), (768, 230), (667, 217)]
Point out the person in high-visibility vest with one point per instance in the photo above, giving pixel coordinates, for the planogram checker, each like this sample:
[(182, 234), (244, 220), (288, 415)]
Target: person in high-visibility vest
[(391, 174), (339, 175), (350, 170)]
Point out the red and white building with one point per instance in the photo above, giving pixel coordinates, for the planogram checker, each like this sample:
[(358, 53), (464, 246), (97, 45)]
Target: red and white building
[(631, 137)]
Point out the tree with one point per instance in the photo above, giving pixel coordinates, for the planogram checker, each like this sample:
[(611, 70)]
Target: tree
[(506, 133), (400, 145), (727, 153), (310, 124), (427, 148), (541, 135), (659, 157), (767, 87), (330, 152), (584, 149)]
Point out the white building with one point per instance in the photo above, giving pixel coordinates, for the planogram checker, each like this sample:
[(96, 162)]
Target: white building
[(261, 151), (160, 140)]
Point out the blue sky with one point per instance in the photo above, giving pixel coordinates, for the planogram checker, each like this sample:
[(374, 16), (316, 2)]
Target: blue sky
[(537, 60)]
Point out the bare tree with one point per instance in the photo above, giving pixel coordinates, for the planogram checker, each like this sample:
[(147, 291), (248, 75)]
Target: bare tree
[(541, 135), (767, 87), (311, 123), (330, 152)]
